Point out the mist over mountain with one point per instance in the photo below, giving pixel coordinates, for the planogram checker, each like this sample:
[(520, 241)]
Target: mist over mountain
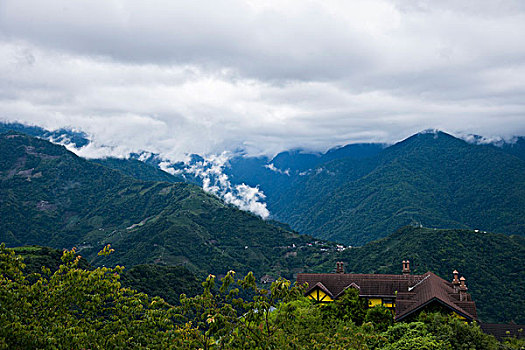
[(432, 179), (359, 192), (49, 196)]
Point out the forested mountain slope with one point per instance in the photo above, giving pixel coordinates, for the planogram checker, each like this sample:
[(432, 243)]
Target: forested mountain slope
[(361, 192), (138, 170), (492, 263), (432, 179), (49, 196)]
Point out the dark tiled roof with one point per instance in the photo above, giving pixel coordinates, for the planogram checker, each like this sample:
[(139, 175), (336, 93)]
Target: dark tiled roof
[(368, 284), (412, 292), (433, 288), (323, 288), (501, 331)]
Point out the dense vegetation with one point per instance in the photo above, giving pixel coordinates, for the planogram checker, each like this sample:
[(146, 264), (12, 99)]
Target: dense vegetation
[(431, 179), (493, 264), (75, 308), (357, 193), (138, 170), (74, 202), (167, 282)]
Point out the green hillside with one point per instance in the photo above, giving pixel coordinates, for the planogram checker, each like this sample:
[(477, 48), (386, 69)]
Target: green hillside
[(493, 264), (138, 170), (49, 196), (431, 179)]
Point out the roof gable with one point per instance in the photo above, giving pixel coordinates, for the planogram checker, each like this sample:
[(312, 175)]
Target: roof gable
[(433, 288)]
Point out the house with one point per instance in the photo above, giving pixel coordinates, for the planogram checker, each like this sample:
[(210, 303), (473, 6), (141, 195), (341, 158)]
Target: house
[(405, 294)]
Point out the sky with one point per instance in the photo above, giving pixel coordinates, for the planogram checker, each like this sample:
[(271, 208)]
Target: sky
[(179, 77)]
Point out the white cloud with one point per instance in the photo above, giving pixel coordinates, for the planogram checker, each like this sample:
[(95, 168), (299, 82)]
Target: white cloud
[(210, 170), (202, 77), (272, 167)]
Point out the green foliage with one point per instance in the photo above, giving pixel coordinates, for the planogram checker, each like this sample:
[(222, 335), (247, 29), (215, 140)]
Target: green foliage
[(380, 316), (75, 308), (457, 333), (228, 321), (167, 282), (348, 307), (412, 336)]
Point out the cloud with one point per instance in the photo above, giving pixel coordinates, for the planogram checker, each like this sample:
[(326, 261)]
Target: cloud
[(272, 167), (210, 170), (203, 77), (248, 198)]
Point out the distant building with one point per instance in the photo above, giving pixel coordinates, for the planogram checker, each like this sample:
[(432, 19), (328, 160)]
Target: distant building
[(406, 294), (267, 279)]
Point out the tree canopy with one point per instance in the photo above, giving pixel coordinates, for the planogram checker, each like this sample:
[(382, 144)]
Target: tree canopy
[(77, 308)]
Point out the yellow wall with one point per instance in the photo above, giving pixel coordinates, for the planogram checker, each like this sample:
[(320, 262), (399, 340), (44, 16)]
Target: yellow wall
[(319, 295), (378, 301), (374, 301)]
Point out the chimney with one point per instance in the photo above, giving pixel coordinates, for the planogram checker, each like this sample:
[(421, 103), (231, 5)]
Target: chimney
[(339, 267), (406, 267), (462, 289), (455, 281)]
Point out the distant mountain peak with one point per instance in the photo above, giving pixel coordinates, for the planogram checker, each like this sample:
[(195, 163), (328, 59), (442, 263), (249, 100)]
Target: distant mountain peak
[(430, 131)]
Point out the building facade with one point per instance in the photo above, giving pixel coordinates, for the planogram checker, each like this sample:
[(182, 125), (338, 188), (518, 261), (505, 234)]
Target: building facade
[(405, 294)]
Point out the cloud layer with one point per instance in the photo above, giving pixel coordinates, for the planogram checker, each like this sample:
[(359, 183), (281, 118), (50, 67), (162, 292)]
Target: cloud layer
[(203, 77)]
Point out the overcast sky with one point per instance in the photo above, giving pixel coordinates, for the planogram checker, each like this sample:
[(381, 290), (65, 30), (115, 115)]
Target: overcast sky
[(178, 77)]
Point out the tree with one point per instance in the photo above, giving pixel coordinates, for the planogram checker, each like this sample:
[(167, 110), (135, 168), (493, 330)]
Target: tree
[(348, 307), (74, 307), (380, 316)]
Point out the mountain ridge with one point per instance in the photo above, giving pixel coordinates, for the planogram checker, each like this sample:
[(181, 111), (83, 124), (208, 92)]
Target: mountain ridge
[(451, 184), (75, 202)]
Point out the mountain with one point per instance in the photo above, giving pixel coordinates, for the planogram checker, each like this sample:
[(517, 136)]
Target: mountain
[(65, 136), (493, 264), (516, 148), (277, 174), (433, 179), (138, 170), (361, 192), (49, 196)]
